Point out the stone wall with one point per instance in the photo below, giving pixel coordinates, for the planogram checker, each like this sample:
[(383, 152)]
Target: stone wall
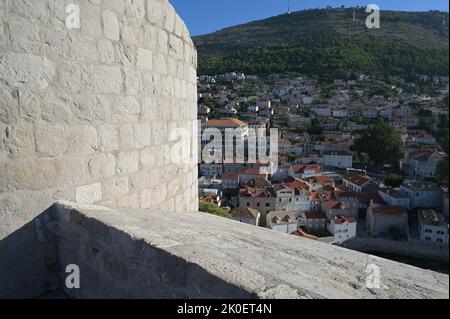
[(85, 114), (133, 253), (412, 248)]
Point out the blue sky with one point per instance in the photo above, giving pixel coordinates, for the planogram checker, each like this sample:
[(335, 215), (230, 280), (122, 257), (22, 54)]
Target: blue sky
[(205, 16)]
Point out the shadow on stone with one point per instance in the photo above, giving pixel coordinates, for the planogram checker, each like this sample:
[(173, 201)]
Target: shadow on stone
[(112, 264)]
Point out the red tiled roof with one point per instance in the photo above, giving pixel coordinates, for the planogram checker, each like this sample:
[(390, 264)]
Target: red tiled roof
[(357, 179), (230, 176), (388, 210), (224, 123), (342, 219), (301, 233), (335, 204), (299, 168), (315, 215)]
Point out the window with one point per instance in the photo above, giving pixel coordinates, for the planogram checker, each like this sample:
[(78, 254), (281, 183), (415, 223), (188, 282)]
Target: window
[(440, 232), (439, 240), (429, 231), (248, 204), (257, 205), (267, 204), (427, 238)]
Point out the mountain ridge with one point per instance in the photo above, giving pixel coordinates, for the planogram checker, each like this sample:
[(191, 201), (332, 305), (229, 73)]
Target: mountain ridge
[(421, 38)]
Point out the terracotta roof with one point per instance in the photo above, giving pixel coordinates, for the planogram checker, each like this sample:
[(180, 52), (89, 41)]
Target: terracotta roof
[(244, 212), (315, 215), (342, 219), (335, 204), (224, 123), (388, 210), (251, 171), (230, 176), (321, 179), (367, 197), (257, 182), (300, 168), (357, 179), (426, 155), (256, 192), (301, 233)]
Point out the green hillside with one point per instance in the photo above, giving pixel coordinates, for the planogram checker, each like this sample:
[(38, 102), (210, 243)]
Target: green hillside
[(331, 44)]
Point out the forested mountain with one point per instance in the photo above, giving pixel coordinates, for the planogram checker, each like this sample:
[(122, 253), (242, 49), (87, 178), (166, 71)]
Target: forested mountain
[(331, 43)]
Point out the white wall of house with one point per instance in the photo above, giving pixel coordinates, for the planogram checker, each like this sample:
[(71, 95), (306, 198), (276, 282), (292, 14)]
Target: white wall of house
[(342, 232), (435, 234), (338, 161), (395, 201), (423, 198)]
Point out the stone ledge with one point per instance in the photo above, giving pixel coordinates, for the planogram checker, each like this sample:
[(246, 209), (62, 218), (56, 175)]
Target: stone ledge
[(131, 253)]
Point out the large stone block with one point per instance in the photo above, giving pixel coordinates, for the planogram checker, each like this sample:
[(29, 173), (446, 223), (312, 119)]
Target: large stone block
[(69, 76), (102, 165), (127, 162), (83, 140), (102, 79), (24, 36), (89, 194), (9, 107), (144, 60), (19, 140), (136, 8), (111, 25), (51, 140), (108, 138), (25, 70), (126, 109), (115, 187), (106, 52)]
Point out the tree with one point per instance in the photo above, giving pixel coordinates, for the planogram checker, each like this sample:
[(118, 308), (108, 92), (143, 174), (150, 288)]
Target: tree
[(316, 127), (211, 208), (393, 180), (382, 144), (292, 157), (442, 171)]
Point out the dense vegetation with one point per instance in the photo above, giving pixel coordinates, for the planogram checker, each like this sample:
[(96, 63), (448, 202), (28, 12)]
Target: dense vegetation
[(381, 145), (329, 44), (212, 208)]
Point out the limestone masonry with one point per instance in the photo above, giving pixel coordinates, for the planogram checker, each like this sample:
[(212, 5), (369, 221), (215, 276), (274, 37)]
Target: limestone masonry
[(85, 114)]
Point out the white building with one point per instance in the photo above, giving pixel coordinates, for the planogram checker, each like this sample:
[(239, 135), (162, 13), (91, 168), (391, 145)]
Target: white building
[(282, 221), (423, 194), (343, 228), (381, 219), (395, 197), (423, 163), (433, 227), (314, 221)]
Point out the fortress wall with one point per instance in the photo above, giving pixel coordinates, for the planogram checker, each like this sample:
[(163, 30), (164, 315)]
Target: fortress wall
[(86, 114)]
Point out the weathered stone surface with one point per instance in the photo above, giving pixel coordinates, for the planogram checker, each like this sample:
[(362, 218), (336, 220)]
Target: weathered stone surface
[(25, 70), (106, 51), (89, 194), (101, 79), (51, 140), (19, 140), (9, 107), (128, 162), (111, 25), (196, 255), (78, 107)]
